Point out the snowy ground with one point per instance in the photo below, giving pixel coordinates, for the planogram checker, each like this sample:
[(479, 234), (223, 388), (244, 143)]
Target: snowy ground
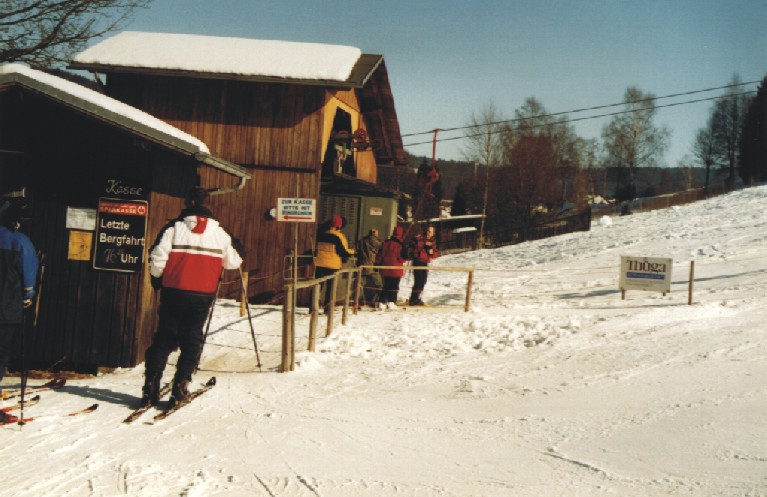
[(551, 386)]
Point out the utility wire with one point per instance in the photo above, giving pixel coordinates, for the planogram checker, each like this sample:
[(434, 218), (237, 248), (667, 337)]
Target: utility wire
[(565, 121)]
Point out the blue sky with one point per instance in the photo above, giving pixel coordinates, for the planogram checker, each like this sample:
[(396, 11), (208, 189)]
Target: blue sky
[(447, 58)]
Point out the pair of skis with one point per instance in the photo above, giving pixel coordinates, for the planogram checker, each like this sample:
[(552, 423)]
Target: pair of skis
[(5, 413), (54, 384), (164, 413), (7, 418)]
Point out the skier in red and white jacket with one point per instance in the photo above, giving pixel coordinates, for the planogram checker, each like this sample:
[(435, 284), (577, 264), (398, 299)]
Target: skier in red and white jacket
[(186, 262)]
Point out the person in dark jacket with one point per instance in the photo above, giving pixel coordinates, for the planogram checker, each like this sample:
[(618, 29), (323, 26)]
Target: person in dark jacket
[(332, 252), (391, 254), (367, 251), (424, 251), (185, 262), (18, 274)]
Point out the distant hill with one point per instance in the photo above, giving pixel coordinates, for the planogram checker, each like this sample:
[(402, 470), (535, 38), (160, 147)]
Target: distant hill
[(650, 180)]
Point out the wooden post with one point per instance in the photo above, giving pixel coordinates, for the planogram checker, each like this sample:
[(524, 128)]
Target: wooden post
[(468, 292), (357, 289), (244, 294), (332, 304), (286, 331), (347, 294), (692, 279), (313, 319)]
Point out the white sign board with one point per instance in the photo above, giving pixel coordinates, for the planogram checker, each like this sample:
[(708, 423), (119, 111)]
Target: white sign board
[(297, 210), (645, 273), (82, 219)]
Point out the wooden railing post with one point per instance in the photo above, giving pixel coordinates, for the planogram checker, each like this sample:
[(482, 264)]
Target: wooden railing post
[(357, 289), (244, 294), (315, 310), (332, 303), (468, 291), (692, 279), (287, 353), (347, 294)]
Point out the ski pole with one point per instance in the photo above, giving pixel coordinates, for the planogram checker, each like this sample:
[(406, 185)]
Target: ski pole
[(210, 317), (36, 308), (23, 367), (250, 319)]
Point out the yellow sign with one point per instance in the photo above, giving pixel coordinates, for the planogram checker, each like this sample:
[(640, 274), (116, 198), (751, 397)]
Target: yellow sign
[(80, 245)]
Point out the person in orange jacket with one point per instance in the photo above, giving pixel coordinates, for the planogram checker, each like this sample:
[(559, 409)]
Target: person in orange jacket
[(332, 252)]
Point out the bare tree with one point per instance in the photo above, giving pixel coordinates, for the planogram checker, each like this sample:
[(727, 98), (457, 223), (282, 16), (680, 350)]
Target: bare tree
[(526, 183), (704, 150), (483, 135), (631, 139), (47, 33), (484, 147), (532, 119)]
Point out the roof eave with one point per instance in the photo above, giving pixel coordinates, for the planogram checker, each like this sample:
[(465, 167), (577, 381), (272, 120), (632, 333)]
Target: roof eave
[(119, 121), (361, 72)]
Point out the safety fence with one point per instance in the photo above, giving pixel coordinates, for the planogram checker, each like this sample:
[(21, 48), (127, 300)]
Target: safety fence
[(350, 283), (660, 201)]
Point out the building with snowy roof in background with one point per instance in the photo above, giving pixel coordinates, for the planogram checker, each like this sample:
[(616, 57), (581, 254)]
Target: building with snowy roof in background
[(305, 120)]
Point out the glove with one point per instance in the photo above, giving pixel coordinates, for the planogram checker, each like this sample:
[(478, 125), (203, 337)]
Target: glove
[(27, 303), (156, 282)]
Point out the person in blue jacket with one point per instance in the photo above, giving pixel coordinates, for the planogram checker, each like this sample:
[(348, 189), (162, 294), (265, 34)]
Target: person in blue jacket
[(18, 273)]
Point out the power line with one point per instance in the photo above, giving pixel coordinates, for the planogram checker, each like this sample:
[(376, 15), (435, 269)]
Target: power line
[(565, 121), (597, 107)]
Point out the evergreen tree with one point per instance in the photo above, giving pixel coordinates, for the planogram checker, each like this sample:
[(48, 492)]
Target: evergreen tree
[(459, 207), (753, 140)]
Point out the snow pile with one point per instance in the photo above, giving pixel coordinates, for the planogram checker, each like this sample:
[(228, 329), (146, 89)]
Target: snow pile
[(223, 55), (550, 385)]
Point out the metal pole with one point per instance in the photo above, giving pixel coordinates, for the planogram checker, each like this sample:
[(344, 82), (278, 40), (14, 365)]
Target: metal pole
[(210, 317), (250, 320)]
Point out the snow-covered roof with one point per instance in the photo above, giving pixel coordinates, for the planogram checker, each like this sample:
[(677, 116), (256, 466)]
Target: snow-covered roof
[(223, 56), (112, 111)]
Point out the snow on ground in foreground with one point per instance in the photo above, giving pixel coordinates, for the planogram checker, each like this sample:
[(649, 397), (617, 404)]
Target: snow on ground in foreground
[(550, 385)]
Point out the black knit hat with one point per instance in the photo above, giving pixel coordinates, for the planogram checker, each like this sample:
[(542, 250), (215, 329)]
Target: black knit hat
[(198, 196), (12, 211)]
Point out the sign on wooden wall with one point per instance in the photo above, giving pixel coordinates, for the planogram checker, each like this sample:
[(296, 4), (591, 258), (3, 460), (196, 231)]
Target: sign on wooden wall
[(300, 210), (120, 234)]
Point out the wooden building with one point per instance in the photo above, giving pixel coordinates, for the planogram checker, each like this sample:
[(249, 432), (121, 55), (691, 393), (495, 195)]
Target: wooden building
[(86, 159), (296, 116)]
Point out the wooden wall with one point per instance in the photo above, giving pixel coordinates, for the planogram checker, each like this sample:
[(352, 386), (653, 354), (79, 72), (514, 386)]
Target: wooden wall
[(274, 130), (88, 317)]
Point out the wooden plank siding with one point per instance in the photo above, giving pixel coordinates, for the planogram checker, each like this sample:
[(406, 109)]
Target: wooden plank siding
[(274, 130), (88, 318)]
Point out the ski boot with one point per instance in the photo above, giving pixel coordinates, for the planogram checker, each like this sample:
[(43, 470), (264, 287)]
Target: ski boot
[(180, 392), (150, 393)]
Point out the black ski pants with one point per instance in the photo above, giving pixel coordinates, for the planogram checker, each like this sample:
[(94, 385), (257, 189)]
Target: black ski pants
[(390, 289), (8, 333), (182, 318)]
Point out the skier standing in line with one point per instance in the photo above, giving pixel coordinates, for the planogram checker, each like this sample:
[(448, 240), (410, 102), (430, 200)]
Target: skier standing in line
[(391, 254), (424, 251), (186, 262), (18, 273), (332, 252), (367, 250)]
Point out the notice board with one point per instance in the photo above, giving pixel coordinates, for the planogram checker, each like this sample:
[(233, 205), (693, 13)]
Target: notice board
[(120, 234)]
